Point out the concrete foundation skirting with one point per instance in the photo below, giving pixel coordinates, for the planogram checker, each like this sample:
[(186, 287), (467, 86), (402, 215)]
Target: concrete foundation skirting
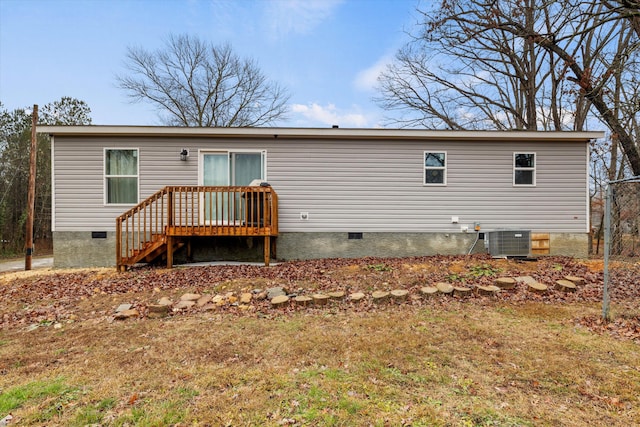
[(80, 249), (87, 249), (98, 249), (340, 245)]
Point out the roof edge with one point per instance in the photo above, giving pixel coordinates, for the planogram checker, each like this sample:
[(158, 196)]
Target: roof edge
[(283, 132)]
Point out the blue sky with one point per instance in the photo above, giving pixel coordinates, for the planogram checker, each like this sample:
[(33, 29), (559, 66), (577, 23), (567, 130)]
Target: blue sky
[(326, 52)]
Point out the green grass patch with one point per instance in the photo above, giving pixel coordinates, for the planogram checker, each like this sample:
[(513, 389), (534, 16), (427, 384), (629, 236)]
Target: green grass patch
[(154, 414), (92, 414), (35, 391), (379, 267)]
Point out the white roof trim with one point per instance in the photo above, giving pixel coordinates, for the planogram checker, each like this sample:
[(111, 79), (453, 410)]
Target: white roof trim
[(318, 133)]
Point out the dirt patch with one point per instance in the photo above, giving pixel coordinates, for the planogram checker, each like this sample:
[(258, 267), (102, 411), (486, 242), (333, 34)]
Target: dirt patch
[(11, 276), (597, 265)]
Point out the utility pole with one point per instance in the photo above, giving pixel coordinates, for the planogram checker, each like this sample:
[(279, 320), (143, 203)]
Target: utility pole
[(31, 198)]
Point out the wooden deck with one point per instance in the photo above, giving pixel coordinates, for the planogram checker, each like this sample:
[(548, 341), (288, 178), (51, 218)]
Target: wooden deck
[(158, 226)]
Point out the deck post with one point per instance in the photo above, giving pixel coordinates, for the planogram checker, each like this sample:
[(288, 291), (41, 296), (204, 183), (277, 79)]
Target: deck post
[(169, 251), (274, 247), (267, 250), (170, 220), (119, 244)]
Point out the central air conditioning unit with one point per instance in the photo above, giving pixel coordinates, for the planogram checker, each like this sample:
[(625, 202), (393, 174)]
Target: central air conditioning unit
[(508, 243)]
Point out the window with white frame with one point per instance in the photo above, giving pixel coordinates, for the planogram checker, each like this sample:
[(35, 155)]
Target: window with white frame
[(232, 167), (220, 168), (121, 176), (524, 169), (435, 168)]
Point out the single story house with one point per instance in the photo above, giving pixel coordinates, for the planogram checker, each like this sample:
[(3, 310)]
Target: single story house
[(242, 193)]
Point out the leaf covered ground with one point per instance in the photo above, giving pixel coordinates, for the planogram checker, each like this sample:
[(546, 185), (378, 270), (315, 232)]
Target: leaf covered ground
[(70, 295)]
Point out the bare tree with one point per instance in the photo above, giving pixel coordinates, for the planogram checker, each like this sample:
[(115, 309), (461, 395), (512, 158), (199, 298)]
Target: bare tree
[(195, 83), (454, 75), (521, 64)]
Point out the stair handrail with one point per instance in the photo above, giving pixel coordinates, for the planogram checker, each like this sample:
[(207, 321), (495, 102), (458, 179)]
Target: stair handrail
[(141, 224)]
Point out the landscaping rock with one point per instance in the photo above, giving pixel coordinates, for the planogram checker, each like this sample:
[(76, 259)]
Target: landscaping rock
[(356, 296), (336, 295), (428, 291), (279, 300), (204, 300), (165, 301), (380, 296), (461, 291), (444, 288), (578, 281), (487, 290), (123, 307), (399, 294), (126, 314), (303, 300), (245, 298), (505, 282), (190, 297), (320, 299), (275, 292), (184, 305), (536, 287), (565, 286), (157, 310), (527, 280)]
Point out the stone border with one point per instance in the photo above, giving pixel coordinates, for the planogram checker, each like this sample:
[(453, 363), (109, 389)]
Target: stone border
[(278, 297)]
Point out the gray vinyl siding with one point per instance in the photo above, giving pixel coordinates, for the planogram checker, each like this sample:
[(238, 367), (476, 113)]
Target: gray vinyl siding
[(377, 186), (349, 185), (79, 179)]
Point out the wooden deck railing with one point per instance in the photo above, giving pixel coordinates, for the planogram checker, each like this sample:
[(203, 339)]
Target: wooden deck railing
[(183, 211)]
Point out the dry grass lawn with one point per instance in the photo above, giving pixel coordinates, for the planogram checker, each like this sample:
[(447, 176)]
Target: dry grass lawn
[(444, 363)]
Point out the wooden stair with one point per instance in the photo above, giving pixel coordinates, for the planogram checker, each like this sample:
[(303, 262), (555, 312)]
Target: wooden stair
[(158, 226), (151, 251)]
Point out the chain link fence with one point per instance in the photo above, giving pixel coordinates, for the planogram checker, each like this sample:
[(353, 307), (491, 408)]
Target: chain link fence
[(621, 236)]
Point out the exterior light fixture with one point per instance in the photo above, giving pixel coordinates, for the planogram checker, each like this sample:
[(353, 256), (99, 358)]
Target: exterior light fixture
[(184, 154)]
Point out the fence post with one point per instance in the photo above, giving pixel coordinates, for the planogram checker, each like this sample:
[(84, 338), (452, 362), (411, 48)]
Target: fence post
[(621, 234), (607, 243)]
